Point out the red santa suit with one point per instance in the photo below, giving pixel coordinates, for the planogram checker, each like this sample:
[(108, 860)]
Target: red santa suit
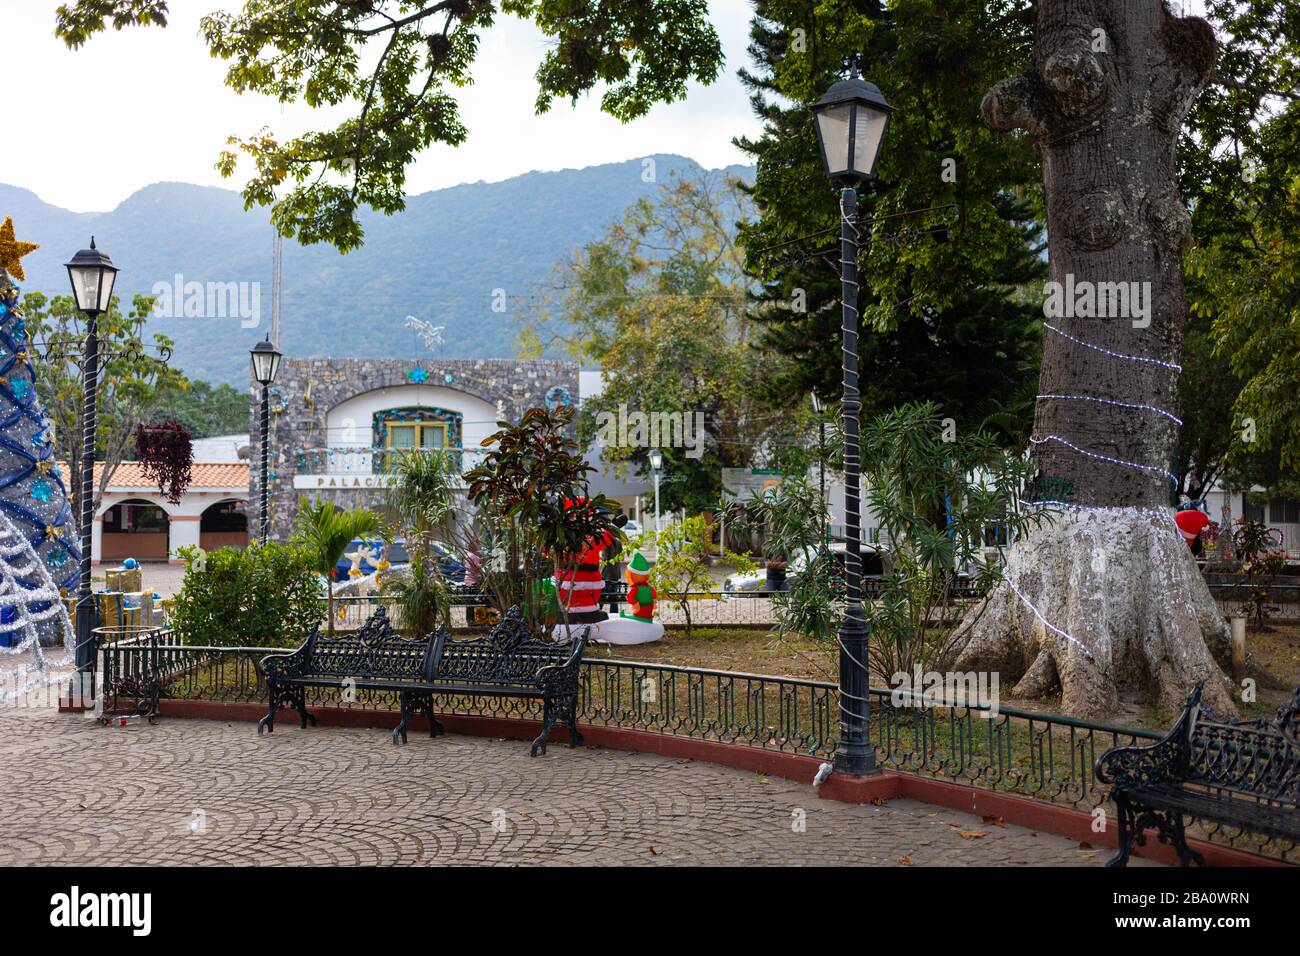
[(578, 586)]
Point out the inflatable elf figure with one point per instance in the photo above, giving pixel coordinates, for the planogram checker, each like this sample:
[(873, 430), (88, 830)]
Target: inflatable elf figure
[(640, 594)]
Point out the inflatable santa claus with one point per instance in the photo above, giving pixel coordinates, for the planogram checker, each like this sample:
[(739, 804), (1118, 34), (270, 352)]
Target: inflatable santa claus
[(579, 583)]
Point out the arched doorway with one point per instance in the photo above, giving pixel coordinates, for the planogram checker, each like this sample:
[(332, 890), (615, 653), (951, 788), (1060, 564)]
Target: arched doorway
[(135, 528), (224, 525)]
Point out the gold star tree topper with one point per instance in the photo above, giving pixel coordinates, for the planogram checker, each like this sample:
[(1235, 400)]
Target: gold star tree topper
[(11, 251)]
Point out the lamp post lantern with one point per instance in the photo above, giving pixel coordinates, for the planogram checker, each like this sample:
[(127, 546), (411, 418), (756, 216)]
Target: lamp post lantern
[(92, 274), (656, 465), (266, 362), (851, 120)]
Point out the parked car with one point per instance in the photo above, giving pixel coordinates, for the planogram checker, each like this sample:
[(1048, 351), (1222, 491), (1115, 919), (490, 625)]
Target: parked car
[(449, 565), (873, 566)]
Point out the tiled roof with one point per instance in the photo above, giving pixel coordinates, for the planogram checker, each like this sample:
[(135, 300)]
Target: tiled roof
[(204, 474)]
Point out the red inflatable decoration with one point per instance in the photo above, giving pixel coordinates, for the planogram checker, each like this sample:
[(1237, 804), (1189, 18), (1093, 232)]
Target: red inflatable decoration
[(579, 589), (1191, 523)]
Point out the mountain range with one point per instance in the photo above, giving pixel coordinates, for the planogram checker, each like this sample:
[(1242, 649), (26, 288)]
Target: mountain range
[(470, 258)]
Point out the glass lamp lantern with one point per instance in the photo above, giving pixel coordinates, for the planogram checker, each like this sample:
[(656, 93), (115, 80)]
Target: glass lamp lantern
[(851, 122), (92, 274)]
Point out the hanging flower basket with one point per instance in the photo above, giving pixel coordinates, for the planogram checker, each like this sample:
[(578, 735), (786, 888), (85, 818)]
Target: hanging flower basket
[(166, 452)]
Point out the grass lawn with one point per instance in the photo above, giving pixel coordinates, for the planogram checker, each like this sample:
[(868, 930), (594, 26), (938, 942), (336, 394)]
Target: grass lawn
[(757, 651)]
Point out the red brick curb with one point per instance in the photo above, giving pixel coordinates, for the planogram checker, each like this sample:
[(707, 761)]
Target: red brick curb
[(886, 785)]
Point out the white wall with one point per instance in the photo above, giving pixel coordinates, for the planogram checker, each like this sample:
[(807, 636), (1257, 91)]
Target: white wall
[(349, 424), (183, 517)]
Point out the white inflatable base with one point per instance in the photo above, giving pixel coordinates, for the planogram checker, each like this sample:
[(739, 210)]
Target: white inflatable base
[(618, 630)]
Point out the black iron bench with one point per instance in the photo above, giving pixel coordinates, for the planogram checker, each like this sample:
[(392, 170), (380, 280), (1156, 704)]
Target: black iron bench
[(508, 662), (372, 657), (1243, 774)]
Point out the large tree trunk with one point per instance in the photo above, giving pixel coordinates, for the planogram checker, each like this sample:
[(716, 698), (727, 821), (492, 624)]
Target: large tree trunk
[(1106, 598)]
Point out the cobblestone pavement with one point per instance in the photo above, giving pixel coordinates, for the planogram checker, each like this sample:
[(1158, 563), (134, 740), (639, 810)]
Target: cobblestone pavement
[(212, 792)]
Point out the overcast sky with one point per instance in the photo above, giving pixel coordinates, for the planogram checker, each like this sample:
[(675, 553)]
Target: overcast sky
[(88, 128)]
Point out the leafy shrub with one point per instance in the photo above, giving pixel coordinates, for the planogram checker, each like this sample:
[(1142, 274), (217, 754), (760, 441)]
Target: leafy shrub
[(266, 595)]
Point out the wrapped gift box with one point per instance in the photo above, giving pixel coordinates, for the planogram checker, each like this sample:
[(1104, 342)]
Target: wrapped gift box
[(129, 609), (127, 580)]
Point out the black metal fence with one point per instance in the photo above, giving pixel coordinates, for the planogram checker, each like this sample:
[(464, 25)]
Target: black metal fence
[(1044, 757), (703, 608)]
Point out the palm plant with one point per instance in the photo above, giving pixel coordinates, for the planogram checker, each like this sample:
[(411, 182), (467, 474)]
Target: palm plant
[(422, 502), (326, 529)]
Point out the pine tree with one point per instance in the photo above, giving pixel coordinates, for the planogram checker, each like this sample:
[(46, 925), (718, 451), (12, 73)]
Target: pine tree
[(949, 324)]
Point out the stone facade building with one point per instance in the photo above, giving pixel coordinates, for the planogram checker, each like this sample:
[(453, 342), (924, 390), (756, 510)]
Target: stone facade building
[(335, 422)]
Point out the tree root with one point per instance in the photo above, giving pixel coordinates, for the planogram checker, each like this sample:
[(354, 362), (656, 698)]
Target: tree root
[(1099, 603)]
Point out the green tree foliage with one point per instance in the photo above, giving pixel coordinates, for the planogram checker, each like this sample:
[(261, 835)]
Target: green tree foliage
[(936, 500), (1241, 176), (531, 489), (134, 378), (265, 595), (205, 409), (392, 66), (325, 530), (658, 303), (943, 317), (684, 556)]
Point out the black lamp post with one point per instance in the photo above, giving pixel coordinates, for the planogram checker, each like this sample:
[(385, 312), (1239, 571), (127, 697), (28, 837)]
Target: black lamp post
[(819, 409), (92, 274), (266, 362), (851, 120), (656, 466)]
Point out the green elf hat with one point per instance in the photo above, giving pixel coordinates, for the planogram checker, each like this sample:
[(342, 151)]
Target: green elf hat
[(638, 564)]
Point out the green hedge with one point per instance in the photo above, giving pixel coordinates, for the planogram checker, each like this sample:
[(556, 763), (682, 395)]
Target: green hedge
[(266, 595)]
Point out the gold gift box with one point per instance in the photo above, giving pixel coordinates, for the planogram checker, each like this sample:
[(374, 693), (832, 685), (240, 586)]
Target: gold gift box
[(128, 580), (125, 609)]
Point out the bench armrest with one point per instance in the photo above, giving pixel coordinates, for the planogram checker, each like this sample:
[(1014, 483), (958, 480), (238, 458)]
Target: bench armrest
[(1138, 765), (291, 664), (563, 678), (1166, 760)]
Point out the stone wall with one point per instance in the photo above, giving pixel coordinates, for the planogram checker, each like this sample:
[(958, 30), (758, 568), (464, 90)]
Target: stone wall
[(298, 415)]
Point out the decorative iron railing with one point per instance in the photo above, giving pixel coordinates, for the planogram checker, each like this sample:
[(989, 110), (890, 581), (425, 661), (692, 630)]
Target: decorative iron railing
[(1040, 756)]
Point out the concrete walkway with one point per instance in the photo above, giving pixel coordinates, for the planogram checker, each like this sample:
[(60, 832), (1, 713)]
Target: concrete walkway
[(209, 792)]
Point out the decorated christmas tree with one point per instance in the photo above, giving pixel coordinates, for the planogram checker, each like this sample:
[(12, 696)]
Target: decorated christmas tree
[(39, 557)]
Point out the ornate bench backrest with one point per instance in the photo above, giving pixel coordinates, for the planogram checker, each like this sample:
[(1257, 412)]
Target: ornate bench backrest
[(373, 651), (1252, 758), (508, 656)]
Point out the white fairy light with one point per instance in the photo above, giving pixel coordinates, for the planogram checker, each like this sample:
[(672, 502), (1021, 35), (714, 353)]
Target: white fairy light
[(1137, 466), (1113, 354), (19, 565), (1110, 401), (1046, 623)]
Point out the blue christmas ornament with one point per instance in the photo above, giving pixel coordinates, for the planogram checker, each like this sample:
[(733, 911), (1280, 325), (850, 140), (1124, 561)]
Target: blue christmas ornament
[(58, 557), (41, 490), (21, 388), (418, 375), (130, 564)]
